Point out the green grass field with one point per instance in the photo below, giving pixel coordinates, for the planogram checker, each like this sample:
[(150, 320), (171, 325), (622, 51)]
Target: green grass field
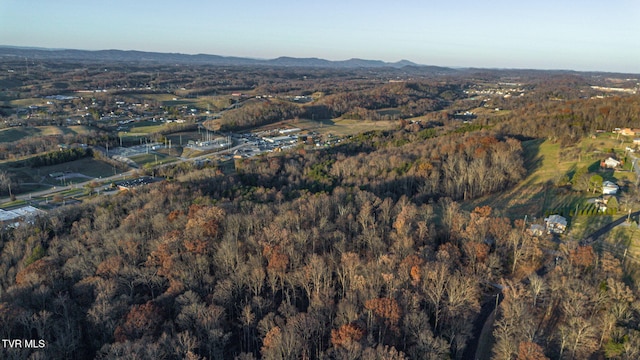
[(13, 204), (88, 166), (26, 102), (582, 226), (546, 163), (341, 127), (19, 133), (16, 133), (152, 159), (146, 127), (389, 112), (623, 242), (201, 102)]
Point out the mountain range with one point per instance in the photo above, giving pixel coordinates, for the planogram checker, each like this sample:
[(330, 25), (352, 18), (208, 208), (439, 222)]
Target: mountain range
[(201, 59)]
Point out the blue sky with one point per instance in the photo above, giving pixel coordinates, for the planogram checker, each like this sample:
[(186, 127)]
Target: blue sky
[(544, 34)]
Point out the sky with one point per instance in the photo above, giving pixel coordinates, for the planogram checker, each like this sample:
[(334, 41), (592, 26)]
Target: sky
[(584, 35)]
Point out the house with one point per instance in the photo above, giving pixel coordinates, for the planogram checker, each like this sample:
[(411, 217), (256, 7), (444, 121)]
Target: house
[(601, 204), (610, 163), (609, 188), (556, 224)]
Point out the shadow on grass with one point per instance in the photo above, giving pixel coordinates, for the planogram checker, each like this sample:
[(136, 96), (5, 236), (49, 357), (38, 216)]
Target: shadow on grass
[(594, 167), (531, 153)]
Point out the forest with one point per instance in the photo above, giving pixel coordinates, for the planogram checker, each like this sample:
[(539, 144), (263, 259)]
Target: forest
[(362, 250), (219, 266)]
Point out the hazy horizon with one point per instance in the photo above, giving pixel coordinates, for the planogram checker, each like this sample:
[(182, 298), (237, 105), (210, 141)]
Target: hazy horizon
[(545, 35)]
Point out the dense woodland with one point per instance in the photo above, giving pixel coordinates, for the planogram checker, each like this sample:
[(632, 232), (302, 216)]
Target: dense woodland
[(358, 251), (218, 266)]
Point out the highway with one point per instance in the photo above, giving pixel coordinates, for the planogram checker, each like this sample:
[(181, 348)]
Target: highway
[(57, 189)]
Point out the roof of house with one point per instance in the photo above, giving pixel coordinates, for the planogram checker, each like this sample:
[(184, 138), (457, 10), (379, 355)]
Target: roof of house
[(537, 227), (556, 219)]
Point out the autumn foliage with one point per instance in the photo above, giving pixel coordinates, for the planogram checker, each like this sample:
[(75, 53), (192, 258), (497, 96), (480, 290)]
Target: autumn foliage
[(142, 320), (368, 249), (346, 335)]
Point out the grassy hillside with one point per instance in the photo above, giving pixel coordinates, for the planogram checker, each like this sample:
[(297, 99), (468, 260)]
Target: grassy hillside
[(547, 163), (19, 133)]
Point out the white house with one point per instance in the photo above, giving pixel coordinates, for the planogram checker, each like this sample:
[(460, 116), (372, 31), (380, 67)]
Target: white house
[(556, 224), (611, 163), (609, 188)]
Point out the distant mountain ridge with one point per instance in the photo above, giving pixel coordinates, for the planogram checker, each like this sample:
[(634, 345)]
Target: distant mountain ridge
[(202, 59)]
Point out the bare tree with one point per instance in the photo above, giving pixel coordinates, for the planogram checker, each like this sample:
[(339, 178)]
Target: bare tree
[(434, 286), (5, 182), (537, 287)]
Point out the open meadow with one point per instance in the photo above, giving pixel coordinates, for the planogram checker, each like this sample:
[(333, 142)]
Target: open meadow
[(341, 127), (549, 167), (18, 133)]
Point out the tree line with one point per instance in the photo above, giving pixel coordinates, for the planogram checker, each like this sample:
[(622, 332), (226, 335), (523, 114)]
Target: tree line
[(59, 157)]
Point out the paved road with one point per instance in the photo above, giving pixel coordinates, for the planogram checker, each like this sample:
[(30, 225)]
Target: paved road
[(56, 189)]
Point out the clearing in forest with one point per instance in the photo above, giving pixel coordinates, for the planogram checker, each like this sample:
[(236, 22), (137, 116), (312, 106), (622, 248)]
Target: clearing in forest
[(547, 163)]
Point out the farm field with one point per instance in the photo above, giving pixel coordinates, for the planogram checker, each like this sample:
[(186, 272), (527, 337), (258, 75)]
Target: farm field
[(343, 127), (26, 102), (141, 128), (201, 102)]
